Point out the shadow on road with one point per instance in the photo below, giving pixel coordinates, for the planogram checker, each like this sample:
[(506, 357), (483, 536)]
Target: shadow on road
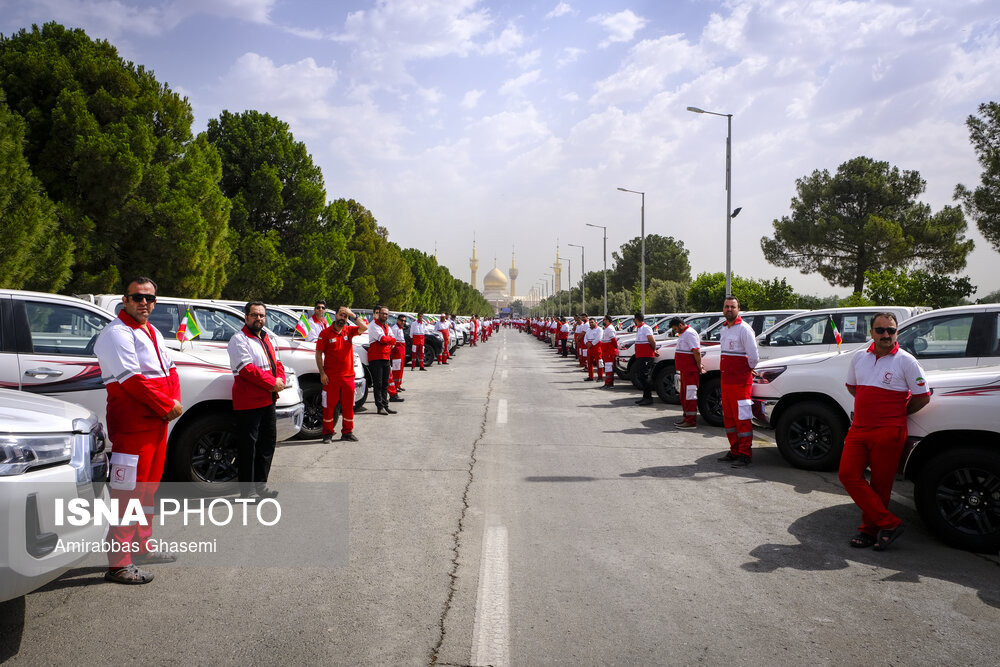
[(11, 627), (823, 537)]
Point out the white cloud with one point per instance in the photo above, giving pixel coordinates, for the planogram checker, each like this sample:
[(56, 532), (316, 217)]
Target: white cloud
[(569, 56), (647, 67), (517, 85), (471, 99), (621, 27), (510, 131), (529, 60), (561, 9)]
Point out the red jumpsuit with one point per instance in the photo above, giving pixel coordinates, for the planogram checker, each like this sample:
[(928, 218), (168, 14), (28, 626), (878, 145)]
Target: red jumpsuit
[(142, 387), (397, 356), (338, 364), (882, 389), (739, 356), (685, 364), (417, 333), (609, 349)]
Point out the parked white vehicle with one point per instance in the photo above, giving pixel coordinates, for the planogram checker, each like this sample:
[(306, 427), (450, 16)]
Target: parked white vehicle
[(219, 321), (953, 458), (800, 334), (804, 398), (49, 450), (49, 349)]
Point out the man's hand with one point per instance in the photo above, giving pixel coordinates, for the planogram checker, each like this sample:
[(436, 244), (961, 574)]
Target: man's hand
[(279, 385), (323, 379), (175, 412)]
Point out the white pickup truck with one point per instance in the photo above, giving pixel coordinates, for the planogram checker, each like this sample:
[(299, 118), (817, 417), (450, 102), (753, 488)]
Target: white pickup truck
[(804, 398), (49, 449), (48, 348)]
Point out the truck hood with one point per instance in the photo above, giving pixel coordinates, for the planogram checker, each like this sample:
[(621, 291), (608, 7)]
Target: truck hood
[(23, 412), (800, 359)]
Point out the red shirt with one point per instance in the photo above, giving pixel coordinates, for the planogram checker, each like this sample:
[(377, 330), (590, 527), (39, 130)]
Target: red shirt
[(883, 386), (338, 350)]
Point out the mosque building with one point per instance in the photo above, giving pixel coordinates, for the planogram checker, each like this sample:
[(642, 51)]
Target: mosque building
[(496, 288)]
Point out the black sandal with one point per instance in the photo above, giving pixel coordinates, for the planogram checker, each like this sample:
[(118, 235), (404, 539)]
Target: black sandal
[(887, 537), (129, 574), (862, 541), (153, 558)]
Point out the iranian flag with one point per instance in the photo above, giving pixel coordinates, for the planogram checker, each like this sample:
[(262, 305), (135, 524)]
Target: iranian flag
[(329, 319), (836, 333), (188, 328), (303, 325)]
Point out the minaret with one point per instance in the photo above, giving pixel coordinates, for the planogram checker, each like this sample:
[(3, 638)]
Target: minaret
[(557, 270), (474, 263), (512, 274)]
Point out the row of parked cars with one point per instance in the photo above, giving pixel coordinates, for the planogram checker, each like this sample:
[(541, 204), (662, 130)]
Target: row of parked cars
[(801, 401)]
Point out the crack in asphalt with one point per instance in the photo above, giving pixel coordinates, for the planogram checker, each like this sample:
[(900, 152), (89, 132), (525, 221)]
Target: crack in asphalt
[(457, 535)]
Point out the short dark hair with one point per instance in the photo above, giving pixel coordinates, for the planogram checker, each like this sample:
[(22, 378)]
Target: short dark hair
[(638, 316), (675, 322), (319, 303), (138, 280), (887, 315), (251, 304), (730, 297), (608, 318)]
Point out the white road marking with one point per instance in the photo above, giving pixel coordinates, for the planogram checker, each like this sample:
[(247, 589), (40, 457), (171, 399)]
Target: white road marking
[(503, 376), (502, 411), (505, 357), (491, 631)]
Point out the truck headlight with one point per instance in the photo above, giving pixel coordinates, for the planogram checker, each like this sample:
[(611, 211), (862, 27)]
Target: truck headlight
[(768, 375), (20, 453)]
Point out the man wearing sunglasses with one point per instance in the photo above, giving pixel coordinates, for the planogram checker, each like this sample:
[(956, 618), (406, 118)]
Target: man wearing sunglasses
[(143, 395), (317, 322), (887, 384)]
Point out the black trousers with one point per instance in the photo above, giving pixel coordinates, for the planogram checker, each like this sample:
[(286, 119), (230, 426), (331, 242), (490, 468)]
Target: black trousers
[(380, 379), (643, 369), (565, 352), (255, 449)]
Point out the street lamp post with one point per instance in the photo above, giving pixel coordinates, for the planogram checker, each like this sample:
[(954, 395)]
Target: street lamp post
[(729, 193), (642, 251), (569, 291), (553, 290), (583, 277), (605, 264)]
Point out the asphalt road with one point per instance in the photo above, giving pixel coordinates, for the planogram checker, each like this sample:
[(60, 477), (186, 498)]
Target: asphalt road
[(513, 514)]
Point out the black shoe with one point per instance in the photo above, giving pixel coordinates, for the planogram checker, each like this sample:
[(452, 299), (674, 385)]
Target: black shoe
[(350, 437), (645, 401), (422, 368), (588, 379), (396, 399), (390, 411), (382, 411), (400, 389), (264, 492), (328, 438), (742, 461), (728, 457)]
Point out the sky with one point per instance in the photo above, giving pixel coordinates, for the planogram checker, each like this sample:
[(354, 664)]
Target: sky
[(514, 123)]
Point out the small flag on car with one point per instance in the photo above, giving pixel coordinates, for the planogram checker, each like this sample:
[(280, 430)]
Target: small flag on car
[(188, 328), (302, 326), (836, 333)]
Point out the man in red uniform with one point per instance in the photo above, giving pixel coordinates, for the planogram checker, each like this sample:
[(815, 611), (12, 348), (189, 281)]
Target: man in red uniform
[(738, 346), (445, 329), (397, 357), (645, 350), (687, 361), (335, 360), (143, 396), (887, 384), (317, 321), (259, 378), (609, 349), (418, 331), (380, 344), (592, 348)]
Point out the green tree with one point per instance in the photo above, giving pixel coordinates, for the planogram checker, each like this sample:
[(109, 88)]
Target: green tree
[(708, 291), (113, 149), (992, 297), (381, 274), (33, 255), (899, 287), (865, 217), (666, 296), (666, 259), (983, 203), (291, 245)]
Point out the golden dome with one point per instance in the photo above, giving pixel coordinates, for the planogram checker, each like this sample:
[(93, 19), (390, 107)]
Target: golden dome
[(495, 281)]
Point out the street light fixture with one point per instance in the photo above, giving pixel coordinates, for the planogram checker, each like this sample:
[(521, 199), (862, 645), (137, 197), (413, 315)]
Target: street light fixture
[(553, 289), (583, 277), (730, 214), (605, 264), (642, 250)]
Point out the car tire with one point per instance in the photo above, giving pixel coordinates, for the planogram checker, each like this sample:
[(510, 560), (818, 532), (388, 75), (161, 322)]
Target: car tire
[(710, 400), (633, 375), (204, 451), (956, 493), (663, 382), (312, 416), (364, 397), (810, 436), (622, 374)]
